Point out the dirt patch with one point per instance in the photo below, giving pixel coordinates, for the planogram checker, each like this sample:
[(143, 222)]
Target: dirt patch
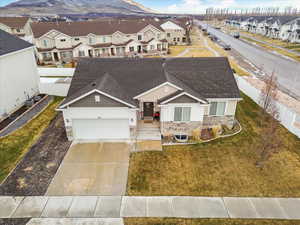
[(14, 221), (34, 173)]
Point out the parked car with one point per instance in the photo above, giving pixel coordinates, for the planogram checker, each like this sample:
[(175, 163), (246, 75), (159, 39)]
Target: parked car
[(236, 35), (225, 46)]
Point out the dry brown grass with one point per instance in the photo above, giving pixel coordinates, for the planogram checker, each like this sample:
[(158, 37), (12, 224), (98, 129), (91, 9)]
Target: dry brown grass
[(173, 221), (220, 168)]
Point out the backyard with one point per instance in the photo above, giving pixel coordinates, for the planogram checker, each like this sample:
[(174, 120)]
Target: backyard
[(224, 167)]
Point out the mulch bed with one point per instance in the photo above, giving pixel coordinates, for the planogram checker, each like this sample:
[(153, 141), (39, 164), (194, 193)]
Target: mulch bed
[(34, 173), (14, 221)]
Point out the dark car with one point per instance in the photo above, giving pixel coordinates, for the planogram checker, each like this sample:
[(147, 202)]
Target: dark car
[(236, 35), (226, 47)]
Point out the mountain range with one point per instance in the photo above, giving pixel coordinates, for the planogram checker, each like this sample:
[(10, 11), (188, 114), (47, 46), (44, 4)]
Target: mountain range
[(48, 7)]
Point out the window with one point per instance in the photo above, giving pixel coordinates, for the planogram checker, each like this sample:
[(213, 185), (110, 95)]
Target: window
[(76, 39), (174, 39), (103, 39), (91, 40), (18, 30), (97, 98), (152, 47), (178, 39), (62, 40), (217, 108), (168, 35), (140, 37), (182, 114), (131, 49), (81, 53), (158, 36), (45, 43)]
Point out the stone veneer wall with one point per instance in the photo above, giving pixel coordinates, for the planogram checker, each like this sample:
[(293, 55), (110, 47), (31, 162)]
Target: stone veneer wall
[(213, 121), (171, 128), (69, 132)]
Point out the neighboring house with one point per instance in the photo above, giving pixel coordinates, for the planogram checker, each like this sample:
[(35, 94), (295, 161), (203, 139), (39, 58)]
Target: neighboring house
[(18, 73), (294, 36), (64, 41), (286, 28), (176, 33), (109, 98), (19, 26)]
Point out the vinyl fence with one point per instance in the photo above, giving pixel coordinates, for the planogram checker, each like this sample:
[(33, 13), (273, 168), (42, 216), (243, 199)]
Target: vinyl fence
[(288, 117)]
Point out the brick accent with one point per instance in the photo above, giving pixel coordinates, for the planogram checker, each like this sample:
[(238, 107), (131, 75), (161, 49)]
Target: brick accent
[(189, 128), (213, 121)]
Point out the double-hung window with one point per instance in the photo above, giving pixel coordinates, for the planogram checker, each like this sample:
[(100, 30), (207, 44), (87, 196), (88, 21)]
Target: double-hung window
[(182, 114), (217, 108)]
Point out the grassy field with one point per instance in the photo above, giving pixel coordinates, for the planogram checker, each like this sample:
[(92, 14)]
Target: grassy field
[(224, 167), (268, 47), (162, 221), (14, 146)]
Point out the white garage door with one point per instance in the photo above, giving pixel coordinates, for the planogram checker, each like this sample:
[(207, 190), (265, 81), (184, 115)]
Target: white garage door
[(101, 129)]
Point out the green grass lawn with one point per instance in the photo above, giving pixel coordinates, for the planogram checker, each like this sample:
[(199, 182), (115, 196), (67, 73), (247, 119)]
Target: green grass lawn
[(224, 167), (14, 146), (159, 221)]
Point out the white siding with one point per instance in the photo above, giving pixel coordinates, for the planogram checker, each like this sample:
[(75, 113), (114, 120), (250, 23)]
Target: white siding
[(18, 79), (197, 111), (99, 113)]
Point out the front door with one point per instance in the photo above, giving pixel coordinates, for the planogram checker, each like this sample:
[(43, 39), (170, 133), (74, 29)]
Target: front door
[(148, 109), (55, 54)]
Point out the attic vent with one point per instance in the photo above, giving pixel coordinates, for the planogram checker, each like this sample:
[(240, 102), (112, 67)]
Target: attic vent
[(97, 98), (93, 84)]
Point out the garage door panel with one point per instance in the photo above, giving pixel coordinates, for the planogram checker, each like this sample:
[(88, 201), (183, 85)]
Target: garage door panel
[(101, 129)]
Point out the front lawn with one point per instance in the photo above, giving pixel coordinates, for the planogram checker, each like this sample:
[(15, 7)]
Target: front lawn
[(161, 221), (224, 167), (14, 146)]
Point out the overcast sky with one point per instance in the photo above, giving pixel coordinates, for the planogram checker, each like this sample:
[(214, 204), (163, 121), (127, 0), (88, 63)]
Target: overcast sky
[(199, 6)]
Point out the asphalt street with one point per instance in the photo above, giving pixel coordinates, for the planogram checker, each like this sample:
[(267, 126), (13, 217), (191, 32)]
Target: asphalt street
[(287, 71)]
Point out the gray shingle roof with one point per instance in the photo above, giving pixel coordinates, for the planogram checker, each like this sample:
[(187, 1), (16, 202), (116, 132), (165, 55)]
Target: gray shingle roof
[(10, 43), (126, 78)]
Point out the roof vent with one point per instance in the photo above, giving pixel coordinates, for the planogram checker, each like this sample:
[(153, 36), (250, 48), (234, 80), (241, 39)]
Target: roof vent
[(93, 84)]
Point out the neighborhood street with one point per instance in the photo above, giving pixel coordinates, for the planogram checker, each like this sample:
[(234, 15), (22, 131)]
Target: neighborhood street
[(288, 71)]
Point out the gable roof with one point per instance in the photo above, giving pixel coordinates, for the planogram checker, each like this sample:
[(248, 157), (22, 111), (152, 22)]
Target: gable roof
[(101, 27), (127, 78), (10, 43), (14, 22)]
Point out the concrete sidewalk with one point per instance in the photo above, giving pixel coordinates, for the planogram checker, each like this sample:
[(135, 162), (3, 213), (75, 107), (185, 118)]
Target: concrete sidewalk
[(130, 206)]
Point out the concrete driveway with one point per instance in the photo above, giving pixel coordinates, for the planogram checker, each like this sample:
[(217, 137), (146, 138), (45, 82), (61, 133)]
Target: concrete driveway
[(92, 169)]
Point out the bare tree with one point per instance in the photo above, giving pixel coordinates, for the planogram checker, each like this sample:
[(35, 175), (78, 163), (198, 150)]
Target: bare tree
[(268, 95), (270, 141)]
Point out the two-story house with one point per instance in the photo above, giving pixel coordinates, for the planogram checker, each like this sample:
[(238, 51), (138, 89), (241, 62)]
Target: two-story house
[(64, 41), (19, 26), (18, 73)]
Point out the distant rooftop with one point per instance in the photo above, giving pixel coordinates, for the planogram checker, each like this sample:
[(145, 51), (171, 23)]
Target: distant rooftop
[(9, 43)]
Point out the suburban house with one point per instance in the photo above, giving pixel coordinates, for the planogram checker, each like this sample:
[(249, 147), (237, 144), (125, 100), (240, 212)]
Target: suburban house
[(286, 28), (64, 41), (19, 26), (176, 31), (18, 73), (111, 98)]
